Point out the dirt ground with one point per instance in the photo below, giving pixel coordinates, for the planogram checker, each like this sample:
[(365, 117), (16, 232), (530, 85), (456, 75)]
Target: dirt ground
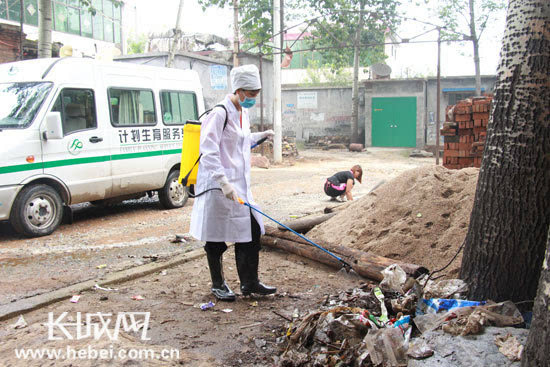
[(138, 232), (102, 240)]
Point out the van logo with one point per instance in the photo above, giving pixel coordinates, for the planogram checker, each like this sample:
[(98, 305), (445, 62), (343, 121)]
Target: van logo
[(74, 147), (13, 70)]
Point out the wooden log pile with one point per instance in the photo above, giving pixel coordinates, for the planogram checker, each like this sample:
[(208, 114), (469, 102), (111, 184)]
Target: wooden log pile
[(465, 131), (365, 264)]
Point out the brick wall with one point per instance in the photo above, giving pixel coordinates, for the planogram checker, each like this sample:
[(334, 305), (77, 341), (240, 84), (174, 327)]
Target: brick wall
[(464, 131), (9, 43)]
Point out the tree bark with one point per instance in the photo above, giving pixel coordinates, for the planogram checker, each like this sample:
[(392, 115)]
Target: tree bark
[(366, 264), (355, 88), (44, 28), (304, 225), (537, 350), (475, 43), (506, 238)]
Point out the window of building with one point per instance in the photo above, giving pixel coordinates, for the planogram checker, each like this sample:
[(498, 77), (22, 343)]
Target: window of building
[(31, 12), (71, 16), (178, 107), (77, 108), (132, 107)]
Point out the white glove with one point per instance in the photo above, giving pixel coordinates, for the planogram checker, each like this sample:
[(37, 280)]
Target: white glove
[(228, 190), (267, 134)]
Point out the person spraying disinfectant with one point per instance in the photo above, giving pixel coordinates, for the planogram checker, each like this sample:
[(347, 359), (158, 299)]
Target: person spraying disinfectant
[(224, 177)]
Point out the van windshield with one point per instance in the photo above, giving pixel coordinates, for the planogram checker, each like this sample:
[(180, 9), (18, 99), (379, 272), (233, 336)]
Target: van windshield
[(19, 102)]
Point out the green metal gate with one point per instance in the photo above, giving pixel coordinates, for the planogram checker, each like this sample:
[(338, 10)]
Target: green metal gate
[(394, 122)]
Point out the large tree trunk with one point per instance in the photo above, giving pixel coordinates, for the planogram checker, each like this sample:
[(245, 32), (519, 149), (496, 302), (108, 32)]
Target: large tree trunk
[(475, 43), (537, 351), (44, 28), (506, 238)]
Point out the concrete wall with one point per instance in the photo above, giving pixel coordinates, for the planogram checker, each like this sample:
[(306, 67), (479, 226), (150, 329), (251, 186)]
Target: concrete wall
[(331, 115), (319, 111), (215, 85)]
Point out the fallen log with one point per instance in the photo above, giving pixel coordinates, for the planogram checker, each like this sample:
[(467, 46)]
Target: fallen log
[(303, 225), (366, 264)]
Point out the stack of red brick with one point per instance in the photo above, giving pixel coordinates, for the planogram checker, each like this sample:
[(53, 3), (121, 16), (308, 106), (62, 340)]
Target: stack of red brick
[(464, 131)]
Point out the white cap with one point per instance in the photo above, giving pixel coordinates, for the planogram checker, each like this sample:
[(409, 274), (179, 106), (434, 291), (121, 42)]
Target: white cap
[(245, 77)]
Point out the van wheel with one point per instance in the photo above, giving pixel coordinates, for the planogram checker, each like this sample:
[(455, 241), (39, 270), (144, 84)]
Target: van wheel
[(173, 194), (37, 211)]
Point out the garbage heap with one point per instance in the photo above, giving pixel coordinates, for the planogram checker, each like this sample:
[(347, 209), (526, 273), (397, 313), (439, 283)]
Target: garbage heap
[(380, 325), (464, 131)]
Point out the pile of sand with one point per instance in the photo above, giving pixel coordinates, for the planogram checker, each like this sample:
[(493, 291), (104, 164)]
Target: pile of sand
[(420, 217)]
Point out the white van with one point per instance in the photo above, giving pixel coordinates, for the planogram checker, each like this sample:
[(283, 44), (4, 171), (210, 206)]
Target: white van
[(74, 130)]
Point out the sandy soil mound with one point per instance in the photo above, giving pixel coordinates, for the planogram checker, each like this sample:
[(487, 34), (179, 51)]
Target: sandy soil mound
[(419, 217)]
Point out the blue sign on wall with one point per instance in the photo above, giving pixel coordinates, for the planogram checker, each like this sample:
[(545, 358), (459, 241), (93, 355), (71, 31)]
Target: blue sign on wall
[(218, 77)]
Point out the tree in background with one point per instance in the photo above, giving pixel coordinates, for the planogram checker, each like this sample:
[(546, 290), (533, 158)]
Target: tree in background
[(506, 240), (351, 32), (467, 20), (136, 44)]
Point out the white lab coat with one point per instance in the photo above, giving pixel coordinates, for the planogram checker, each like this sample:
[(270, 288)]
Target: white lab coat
[(224, 153)]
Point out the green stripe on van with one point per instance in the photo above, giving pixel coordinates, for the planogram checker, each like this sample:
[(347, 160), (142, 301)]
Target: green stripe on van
[(21, 168), (76, 161)]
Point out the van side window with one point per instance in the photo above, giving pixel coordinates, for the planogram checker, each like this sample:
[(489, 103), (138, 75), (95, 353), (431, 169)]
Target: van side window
[(77, 108), (132, 107), (178, 107)]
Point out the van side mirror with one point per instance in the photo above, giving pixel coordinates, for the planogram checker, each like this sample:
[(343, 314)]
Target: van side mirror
[(53, 128)]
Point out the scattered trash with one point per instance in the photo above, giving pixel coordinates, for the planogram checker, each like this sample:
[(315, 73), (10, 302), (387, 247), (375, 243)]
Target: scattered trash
[(138, 298), (103, 298), (394, 278), (260, 343), (419, 350), (227, 310), (102, 266), (179, 239), (254, 304), (386, 346), (164, 272), (97, 286), (384, 316), (206, 306), (509, 346), (75, 298), (193, 285), (419, 215), (436, 305), (166, 321), (447, 288), (20, 324)]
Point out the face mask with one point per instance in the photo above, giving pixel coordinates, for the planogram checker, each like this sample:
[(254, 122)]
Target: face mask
[(248, 102)]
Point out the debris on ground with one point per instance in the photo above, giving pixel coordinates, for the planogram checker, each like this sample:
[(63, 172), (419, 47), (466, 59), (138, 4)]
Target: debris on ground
[(370, 326), (417, 153), (509, 346), (387, 221), (21, 323)]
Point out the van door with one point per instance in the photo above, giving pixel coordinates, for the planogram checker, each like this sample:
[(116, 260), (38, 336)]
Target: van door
[(82, 158), (137, 141)]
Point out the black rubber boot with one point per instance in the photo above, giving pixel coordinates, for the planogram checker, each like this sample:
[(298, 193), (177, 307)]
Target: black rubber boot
[(214, 254), (247, 257)]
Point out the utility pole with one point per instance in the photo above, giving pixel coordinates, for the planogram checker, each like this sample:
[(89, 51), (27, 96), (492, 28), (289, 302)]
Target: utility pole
[(438, 100), (21, 18), (44, 28), (277, 103), (177, 33), (355, 88), (235, 32)]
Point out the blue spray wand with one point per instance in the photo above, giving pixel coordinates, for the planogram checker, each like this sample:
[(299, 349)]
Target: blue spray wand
[(345, 264)]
